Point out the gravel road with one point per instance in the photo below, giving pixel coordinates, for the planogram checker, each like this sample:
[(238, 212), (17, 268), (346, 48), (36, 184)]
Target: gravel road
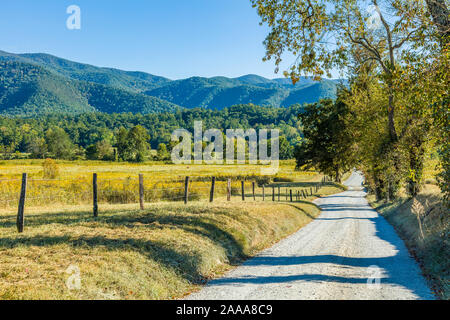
[(348, 252)]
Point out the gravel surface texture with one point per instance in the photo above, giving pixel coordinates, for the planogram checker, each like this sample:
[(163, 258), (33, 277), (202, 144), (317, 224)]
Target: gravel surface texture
[(348, 252)]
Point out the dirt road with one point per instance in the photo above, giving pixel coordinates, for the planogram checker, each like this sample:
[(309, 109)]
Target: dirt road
[(348, 252)]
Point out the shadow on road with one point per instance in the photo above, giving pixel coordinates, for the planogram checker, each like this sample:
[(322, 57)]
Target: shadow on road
[(390, 265)]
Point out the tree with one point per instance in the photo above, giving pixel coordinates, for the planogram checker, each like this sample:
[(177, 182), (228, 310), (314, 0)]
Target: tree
[(162, 153), (286, 150), (122, 144), (37, 147), (326, 34), (441, 19), (59, 143), (327, 144), (138, 141), (133, 145), (102, 150), (394, 43)]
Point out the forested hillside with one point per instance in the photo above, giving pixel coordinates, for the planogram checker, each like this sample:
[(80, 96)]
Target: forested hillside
[(51, 84), (220, 92), (30, 90), (132, 81)]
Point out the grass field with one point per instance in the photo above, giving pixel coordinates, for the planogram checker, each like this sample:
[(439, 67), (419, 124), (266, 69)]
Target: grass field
[(118, 182), (163, 252)]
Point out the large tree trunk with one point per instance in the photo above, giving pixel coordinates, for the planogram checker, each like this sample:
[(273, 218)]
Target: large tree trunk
[(440, 14), (337, 175), (379, 185), (416, 163), (391, 123)]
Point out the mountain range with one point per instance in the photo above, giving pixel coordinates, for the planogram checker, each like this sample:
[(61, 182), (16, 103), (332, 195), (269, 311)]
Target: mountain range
[(37, 84)]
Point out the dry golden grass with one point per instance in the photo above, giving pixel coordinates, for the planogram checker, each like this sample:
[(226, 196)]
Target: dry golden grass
[(118, 182), (163, 252), (431, 246), (157, 170)]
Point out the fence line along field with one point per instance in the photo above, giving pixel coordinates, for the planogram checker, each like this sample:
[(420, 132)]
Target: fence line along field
[(165, 251), (55, 183)]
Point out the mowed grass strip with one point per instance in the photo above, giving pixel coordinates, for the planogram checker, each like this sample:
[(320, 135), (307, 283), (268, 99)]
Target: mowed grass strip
[(163, 252)]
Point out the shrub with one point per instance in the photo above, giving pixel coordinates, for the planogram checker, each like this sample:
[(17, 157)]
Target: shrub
[(50, 169)]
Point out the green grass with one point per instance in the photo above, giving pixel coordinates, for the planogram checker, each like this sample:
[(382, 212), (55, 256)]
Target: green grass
[(163, 252), (431, 251)]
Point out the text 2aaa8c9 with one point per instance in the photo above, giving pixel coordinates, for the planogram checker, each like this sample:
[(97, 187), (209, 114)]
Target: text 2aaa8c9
[(246, 309)]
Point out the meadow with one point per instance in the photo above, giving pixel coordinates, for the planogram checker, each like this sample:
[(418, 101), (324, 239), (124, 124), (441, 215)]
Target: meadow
[(118, 182), (163, 252)]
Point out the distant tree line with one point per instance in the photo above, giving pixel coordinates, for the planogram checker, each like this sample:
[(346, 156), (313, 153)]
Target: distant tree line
[(130, 137)]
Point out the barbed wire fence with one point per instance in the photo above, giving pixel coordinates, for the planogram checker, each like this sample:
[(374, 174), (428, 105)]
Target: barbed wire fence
[(18, 193)]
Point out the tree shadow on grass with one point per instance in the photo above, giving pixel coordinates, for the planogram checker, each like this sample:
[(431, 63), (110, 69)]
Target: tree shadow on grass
[(185, 264), (304, 211)]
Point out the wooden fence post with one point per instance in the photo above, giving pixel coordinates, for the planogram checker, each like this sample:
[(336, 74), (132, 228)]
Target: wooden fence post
[(273, 193), (229, 190), (23, 195), (243, 190), (304, 194), (278, 194), (141, 191), (290, 193), (253, 190), (263, 193), (310, 189), (186, 190), (95, 194), (211, 195)]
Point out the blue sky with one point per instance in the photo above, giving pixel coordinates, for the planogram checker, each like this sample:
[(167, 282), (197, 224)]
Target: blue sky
[(171, 38)]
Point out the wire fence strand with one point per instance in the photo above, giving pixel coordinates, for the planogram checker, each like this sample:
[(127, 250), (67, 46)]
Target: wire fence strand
[(79, 191)]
